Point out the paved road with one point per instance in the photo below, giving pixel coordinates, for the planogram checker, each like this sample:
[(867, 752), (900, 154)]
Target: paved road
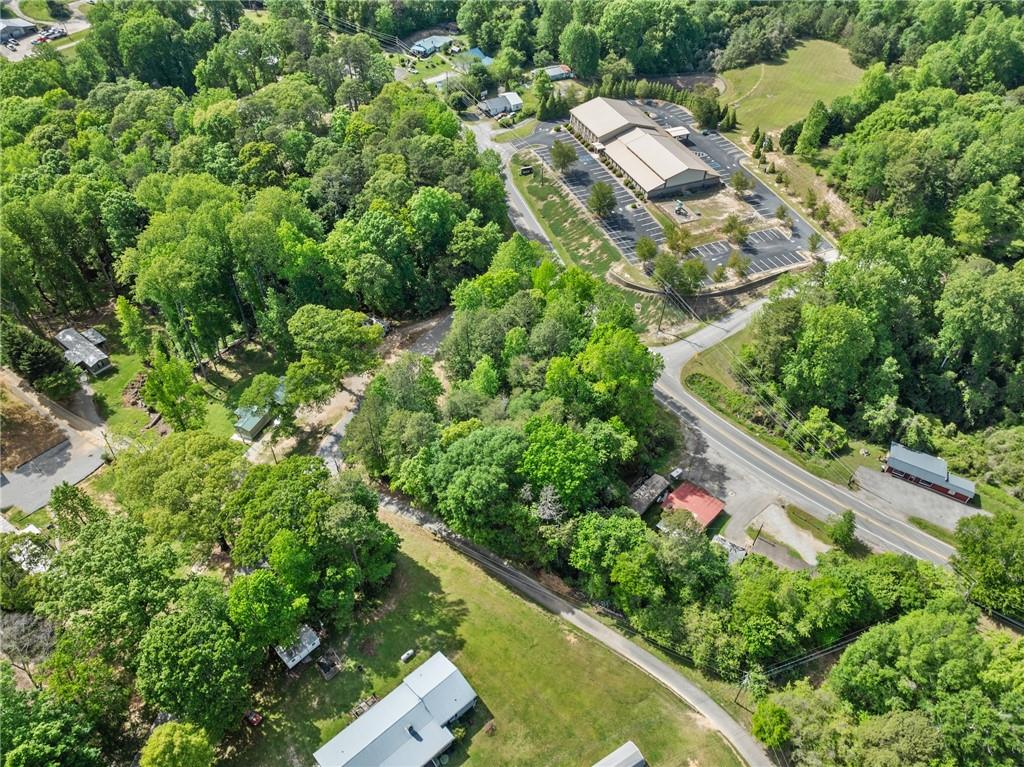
[(629, 221), (519, 211), (817, 496), (734, 733), (29, 486)]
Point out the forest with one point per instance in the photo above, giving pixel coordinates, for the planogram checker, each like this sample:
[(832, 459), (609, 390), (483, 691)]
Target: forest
[(913, 334), (214, 178)]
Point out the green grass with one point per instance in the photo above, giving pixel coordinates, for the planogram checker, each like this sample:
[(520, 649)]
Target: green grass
[(934, 530), (121, 419), (808, 522), (37, 9), (992, 499), (524, 129), (227, 382), (555, 696), (578, 240), (819, 530), (773, 95), (40, 517)]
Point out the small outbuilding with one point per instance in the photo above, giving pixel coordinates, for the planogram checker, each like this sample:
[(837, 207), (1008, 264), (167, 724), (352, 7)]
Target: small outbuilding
[(428, 46), (84, 349), (505, 103), (250, 421), (704, 507), (300, 649), (735, 552), (648, 492), (626, 755), (927, 471)]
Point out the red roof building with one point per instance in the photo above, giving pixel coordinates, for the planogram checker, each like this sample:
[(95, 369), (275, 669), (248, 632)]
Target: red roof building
[(696, 500)]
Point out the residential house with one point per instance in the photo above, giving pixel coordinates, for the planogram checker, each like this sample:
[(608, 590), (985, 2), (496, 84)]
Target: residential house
[(409, 726), (84, 349)]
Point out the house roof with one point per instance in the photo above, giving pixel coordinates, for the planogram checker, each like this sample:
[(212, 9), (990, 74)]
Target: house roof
[(441, 687), (643, 496), (94, 336), (18, 23), (431, 43), (476, 53), (557, 70), (407, 726), (696, 500), (79, 349), (608, 117), (652, 159), (626, 755), (306, 642), (927, 467)]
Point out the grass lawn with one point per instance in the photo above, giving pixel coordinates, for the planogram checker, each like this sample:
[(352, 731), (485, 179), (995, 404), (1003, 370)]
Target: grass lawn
[(121, 419), (934, 530), (229, 379), (579, 241), (38, 9), (556, 697), (776, 94), (772, 96), (724, 394), (524, 129)]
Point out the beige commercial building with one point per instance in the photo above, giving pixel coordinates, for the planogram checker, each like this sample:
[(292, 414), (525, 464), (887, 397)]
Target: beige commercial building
[(655, 161)]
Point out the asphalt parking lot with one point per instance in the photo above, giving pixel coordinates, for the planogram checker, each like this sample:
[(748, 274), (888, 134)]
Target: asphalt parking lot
[(626, 225), (724, 156), (767, 249)]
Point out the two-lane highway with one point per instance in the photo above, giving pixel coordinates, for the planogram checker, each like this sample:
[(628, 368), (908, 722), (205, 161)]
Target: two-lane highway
[(817, 496)]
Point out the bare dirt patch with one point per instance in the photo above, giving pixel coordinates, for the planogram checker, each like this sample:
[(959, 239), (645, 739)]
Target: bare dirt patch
[(24, 431), (781, 528)]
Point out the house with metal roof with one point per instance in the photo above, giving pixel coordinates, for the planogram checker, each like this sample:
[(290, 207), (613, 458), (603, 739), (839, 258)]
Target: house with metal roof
[(600, 120), (250, 421), (658, 164), (504, 103), (626, 755), (927, 471), (556, 72), (430, 45), (83, 349), (408, 727), (292, 655)]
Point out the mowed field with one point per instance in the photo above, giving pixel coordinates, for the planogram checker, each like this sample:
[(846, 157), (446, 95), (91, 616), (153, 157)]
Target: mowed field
[(555, 696), (773, 95)]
